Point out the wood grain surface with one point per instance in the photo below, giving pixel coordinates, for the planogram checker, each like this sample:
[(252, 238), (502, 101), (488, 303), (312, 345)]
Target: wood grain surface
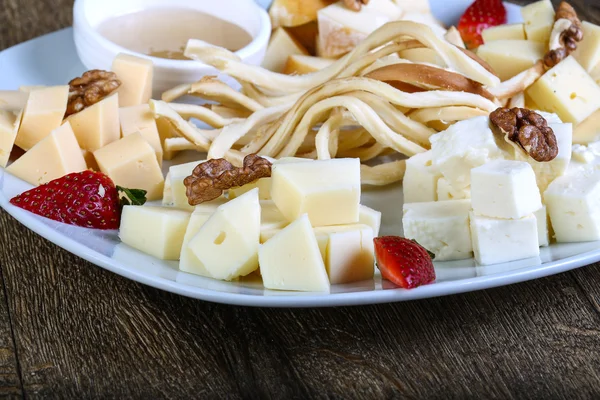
[(69, 329)]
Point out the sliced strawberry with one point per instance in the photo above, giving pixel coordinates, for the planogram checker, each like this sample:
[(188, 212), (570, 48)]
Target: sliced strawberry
[(89, 199), (404, 262), (480, 15)]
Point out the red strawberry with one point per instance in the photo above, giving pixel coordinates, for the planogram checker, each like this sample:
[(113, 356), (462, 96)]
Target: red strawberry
[(480, 15), (89, 199), (404, 262)]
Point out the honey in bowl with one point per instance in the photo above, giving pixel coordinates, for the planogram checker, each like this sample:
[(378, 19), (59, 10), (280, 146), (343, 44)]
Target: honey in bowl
[(164, 32)]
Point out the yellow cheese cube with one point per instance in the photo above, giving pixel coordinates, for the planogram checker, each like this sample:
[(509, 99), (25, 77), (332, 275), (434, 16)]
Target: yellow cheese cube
[(166, 130), (368, 216), (301, 64), (291, 260), (56, 155), (294, 12), (511, 57), (270, 216), (281, 46), (141, 119), (130, 162), (588, 130), (90, 160), (177, 173), (188, 262), (588, 50), (263, 185), (568, 91), (327, 190), (13, 99), (227, 243), (158, 231), (504, 32), (97, 125), (539, 19), (9, 126), (44, 112), (136, 76)]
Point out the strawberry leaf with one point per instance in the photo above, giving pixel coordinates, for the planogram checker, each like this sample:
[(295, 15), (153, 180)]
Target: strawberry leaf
[(131, 197)]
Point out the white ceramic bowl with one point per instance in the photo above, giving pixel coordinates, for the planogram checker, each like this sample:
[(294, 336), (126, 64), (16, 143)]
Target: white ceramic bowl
[(97, 52)]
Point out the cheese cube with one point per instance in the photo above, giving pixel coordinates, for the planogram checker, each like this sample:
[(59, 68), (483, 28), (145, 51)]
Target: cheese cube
[(166, 130), (131, 162), (465, 145), (546, 172), (582, 154), (227, 243), (541, 217), (263, 185), (294, 13), (136, 76), (341, 29), (281, 46), (43, 113), (177, 173), (291, 260), (368, 216), (97, 125), (301, 64), (9, 126), (445, 191), (141, 119), (588, 50), (498, 240), (511, 57), (539, 20), (349, 253), (167, 199), (90, 160), (572, 202), (420, 179), (588, 130), (210, 207), (551, 118), (56, 155), (157, 231), (188, 262), (504, 189), (270, 217), (13, 99), (504, 32), (327, 190), (440, 227), (567, 90)]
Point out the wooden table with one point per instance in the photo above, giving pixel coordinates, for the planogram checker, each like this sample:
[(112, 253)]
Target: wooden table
[(70, 329)]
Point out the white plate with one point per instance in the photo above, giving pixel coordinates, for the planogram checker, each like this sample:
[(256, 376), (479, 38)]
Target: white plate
[(52, 60)]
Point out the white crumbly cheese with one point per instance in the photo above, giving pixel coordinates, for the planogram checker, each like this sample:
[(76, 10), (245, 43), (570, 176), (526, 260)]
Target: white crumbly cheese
[(465, 145), (573, 203), (551, 118), (497, 240), (420, 179), (440, 227), (504, 189), (582, 154), (445, 191), (541, 217)]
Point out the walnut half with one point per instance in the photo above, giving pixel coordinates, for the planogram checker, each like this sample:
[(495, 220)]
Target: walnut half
[(566, 33), (89, 89), (355, 5), (527, 129), (209, 179)]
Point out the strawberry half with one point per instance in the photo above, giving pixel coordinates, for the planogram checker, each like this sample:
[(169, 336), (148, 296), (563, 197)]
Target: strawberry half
[(404, 262), (88, 199), (480, 15)]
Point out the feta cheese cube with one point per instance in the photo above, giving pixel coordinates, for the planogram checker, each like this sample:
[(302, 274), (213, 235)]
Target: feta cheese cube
[(567, 90), (498, 240), (445, 191), (504, 189), (539, 20), (327, 190), (157, 231), (582, 154), (291, 260), (573, 202), (440, 227), (541, 217), (368, 216), (420, 179), (465, 145)]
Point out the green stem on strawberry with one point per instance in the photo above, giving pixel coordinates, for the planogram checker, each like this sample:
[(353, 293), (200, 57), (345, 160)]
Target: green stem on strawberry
[(131, 197)]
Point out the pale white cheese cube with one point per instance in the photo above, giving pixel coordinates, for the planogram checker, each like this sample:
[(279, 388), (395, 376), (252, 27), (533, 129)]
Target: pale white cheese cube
[(497, 240), (157, 231), (445, 191), (227, 243), (327, 190), (188, 262), (541, 217), (440, 227), (465, 145), (368, 216), (582, 154), (176, 175), (504, 189), (420, 179), (573, 202), (291, 260)]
